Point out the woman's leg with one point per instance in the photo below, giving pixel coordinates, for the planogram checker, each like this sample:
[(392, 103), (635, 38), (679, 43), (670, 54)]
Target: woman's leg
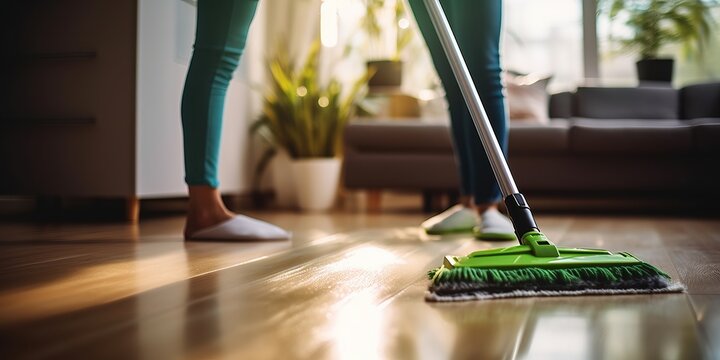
[(222, 29), (476, 26)]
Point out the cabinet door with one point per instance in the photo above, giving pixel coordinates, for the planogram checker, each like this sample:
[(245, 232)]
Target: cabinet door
[(67, 120)]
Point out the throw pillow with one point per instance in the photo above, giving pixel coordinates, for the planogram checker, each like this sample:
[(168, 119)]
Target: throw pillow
[(527, 98)]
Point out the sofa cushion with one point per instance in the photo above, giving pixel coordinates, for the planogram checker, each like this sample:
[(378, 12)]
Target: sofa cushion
[(399, 137), (627, 103), (527, 98), (700, 101), (706, 135), (400, 171), (630, 137), (603, 174), (539, 139)]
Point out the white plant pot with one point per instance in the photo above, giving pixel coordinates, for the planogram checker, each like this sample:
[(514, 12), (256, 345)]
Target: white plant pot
[(282, 179), (316, 182)]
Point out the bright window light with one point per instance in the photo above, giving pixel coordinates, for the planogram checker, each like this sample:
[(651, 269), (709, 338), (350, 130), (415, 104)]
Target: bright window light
[(404, 23), (329, 23)]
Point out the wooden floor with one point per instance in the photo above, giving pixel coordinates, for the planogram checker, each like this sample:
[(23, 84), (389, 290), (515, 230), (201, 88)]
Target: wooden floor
[(349, 285)]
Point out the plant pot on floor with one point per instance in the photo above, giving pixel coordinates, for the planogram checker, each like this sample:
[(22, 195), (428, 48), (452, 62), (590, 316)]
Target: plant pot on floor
[(316, 182), (655, 70), (388, 73)]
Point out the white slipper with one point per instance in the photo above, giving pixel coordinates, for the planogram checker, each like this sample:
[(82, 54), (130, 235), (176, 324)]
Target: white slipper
[(241, 228)]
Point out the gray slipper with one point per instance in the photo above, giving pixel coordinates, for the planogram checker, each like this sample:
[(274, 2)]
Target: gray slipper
[(457, 219), (241, 228), (494, 226)]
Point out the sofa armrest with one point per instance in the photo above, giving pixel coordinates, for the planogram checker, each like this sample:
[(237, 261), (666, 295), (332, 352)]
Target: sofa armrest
[(700, 101)]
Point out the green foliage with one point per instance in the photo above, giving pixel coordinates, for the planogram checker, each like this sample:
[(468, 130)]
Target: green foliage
[(302, 116), (656, 23), (370, 22), (371, 25)]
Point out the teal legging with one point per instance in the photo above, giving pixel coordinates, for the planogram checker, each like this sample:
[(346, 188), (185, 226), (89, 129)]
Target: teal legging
[(222, 27), (476, 25)]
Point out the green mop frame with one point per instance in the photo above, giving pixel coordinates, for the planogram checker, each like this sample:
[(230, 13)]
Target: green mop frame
[(536, 264)]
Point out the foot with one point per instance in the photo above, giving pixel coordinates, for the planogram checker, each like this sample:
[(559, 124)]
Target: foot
[(209, 219), (199, 220), (494, 226), (457, 219)]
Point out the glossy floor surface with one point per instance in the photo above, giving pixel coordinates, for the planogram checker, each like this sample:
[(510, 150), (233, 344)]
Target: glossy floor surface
[(348, 286)]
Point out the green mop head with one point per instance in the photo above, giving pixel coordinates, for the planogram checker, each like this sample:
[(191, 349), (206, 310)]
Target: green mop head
[(539, 268)]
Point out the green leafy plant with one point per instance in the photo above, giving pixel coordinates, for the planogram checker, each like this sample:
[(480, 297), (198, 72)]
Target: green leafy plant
[(373, 28), (655, 23), (302, 116)]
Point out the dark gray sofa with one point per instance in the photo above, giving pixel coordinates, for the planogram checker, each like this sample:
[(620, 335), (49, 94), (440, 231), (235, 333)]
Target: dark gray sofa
[(626, 142)]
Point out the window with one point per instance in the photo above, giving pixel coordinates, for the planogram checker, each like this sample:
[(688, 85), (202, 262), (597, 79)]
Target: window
[(545, 38)]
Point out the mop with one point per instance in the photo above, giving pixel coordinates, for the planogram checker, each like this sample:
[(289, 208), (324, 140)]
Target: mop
[(536, 267)]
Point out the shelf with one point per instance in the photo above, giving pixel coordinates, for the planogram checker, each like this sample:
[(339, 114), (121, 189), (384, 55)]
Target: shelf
[(46, 121)]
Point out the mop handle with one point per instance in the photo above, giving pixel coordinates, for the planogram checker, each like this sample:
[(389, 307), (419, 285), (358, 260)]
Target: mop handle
[(472, 99)]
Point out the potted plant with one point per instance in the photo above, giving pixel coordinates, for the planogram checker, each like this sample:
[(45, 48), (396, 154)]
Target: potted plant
[(656, 23), (306, 119), (387, 30)]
